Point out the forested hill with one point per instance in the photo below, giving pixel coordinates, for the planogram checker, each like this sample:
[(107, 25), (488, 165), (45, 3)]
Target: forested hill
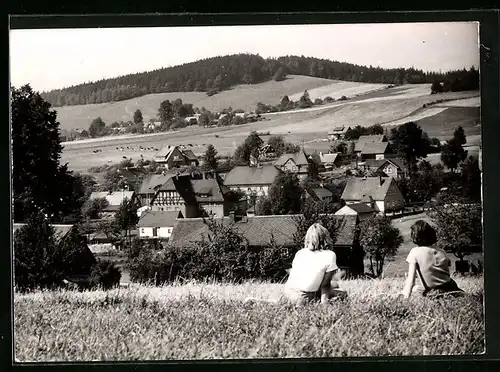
[(212, 75)]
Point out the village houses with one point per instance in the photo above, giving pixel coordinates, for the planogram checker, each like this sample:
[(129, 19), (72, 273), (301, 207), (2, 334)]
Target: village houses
[(390, 167), (361, 210), (371, 150), (379, 193), (329, 161), (175, 156)]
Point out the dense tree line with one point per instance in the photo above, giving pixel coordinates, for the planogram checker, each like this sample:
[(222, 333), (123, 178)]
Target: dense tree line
[(212, 75)]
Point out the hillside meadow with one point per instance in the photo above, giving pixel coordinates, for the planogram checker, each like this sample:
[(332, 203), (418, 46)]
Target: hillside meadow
[(307, 126), (243, 97), (211, 321)]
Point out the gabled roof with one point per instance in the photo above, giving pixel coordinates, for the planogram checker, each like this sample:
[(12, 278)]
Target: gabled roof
[(339, 130), (165, 152), (319, 193), (189, 154), (258, 230), (152, 182), (299, 158), (181, 184), (114, 199), (363, 188), (245, 175), (158, 218), (60, 231), (398, 162), (362, 140), (328, 158), (375, 148), (373, 163), (360, 208), (208, 191)]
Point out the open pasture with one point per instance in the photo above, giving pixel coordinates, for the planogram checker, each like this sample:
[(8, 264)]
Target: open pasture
[(340, 88), (296, 126), (211, 321), (243, 97)]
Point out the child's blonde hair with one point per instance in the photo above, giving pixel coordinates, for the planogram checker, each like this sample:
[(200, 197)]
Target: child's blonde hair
[(317, 238)]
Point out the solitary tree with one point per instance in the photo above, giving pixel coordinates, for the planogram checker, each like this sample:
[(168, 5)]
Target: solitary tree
[(165, 113), (126, 217), (408, 140), (380, 241), (458, 225), (138, 117), (210, 158), (96, 127), (305, 100), (453, 153), (285, 195), (278, 144), (92, 208)]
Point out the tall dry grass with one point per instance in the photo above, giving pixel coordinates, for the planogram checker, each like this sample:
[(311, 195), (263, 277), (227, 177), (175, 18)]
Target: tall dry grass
[(211, 321)]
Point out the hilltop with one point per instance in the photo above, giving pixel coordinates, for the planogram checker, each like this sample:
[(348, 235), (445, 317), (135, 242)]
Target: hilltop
[(214, 75), (245, 97)]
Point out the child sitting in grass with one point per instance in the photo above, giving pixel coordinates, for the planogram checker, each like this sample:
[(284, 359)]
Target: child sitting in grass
[(313, 269), (430, 264)]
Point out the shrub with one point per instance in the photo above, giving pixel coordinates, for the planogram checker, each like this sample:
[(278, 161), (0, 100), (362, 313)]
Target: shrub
[(43, 261), (105, 274)]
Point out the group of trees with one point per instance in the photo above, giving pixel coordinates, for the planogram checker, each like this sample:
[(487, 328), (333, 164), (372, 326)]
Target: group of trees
[(456, 81), (252, 145), (219, 73)]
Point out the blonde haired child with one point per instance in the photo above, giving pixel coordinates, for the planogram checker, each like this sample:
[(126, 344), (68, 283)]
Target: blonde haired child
[(313, 269)]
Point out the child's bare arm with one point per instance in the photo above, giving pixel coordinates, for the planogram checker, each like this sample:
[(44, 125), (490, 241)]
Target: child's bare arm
[(325, 286), (410, 280)]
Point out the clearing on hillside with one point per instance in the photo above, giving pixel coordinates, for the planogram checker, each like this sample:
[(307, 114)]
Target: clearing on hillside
[(243, 97)]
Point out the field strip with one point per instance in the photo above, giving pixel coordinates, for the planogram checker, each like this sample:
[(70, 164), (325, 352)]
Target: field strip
[(421, 115), (466, 102)]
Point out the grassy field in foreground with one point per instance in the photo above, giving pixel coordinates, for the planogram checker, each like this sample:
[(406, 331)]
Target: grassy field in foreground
[(210, 321)]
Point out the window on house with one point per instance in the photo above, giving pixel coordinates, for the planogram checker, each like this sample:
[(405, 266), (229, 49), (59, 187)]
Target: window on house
[(155, 231), (143, 231), (176, 157)]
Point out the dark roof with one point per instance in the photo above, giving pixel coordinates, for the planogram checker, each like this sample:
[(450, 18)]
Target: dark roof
[(158, 218), (374, 163), (363, 140), (374, 148), (338, 130), (245, 175), (259, 229), (181, 184), (319, 193), (363, 188), (299, 158), (60, 231), (210, 188), (361, 208), (189, 154), (398, 162), (153, 181)]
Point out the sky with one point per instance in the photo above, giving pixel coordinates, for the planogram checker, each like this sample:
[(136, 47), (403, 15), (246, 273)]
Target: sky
[(56, 58)]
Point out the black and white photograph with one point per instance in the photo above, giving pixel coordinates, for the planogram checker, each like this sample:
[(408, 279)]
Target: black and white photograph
[(246, 192)]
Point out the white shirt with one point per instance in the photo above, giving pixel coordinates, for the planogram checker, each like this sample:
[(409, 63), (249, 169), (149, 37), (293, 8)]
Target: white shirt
[(309, 268)]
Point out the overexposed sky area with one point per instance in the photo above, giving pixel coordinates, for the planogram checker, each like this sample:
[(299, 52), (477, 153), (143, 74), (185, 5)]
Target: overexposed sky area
[(57, 58)]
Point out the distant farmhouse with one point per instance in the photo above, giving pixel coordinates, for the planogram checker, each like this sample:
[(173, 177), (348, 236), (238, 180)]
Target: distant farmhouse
[(391, 167), (195, 197), (338, 133), (318, 194), (267, 152), (253, 181), (174, 157), (157, 224), (298, 163), (379, 193), (371, 147), (329, 161), (150, 185)]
